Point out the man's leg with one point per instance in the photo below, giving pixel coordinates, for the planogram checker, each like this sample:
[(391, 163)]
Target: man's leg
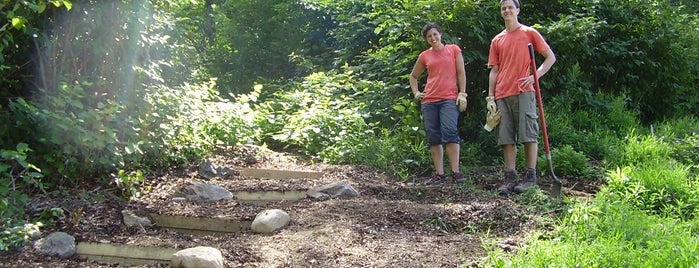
[(530, 177), (510, 176)]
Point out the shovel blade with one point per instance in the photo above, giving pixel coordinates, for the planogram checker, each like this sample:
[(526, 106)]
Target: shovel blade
[(556, 189), (557, 185)]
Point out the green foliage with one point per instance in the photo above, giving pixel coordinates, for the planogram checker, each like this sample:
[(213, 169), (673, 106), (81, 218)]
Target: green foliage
[(591, 124), (568, 163), (538, 199), (315, 114), (607, 235), (645, 214), (17, 178), (682, 135), (324, 117), (129, 182), (21, 22), (638, 47), (14, 235), (656, 187)]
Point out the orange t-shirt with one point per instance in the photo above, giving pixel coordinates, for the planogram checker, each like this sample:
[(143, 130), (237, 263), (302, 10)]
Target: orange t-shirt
[(510, 51), (441, 73)]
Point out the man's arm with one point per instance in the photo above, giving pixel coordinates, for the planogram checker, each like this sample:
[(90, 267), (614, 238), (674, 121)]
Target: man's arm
[(492, 79), (549, 60)]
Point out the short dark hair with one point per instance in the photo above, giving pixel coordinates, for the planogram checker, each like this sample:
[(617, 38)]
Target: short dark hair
[(429, 26), (516, 2)]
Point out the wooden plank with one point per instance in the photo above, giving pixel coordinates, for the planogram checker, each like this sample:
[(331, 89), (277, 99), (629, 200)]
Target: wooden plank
[(201, 225), (270, 195), (124, 254), (278, 174)]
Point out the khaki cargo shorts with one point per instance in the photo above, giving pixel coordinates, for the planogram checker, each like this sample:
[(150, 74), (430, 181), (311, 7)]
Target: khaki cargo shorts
[(519, 121)]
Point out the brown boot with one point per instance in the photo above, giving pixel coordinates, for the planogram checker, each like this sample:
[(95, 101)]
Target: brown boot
[(510, 180), (528, 181)]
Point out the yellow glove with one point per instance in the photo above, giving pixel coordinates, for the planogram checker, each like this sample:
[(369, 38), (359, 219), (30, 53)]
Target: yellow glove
[(491, 104), (461, 101), (419, 95), (493, 120)]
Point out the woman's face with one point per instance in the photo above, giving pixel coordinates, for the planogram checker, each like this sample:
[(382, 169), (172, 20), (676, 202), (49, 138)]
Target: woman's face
[(433, 37), (508, 10)]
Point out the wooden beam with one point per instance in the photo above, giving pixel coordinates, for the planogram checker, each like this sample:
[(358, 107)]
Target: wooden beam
[(278, 174), (124, 254), (270, 195), (200, 225)]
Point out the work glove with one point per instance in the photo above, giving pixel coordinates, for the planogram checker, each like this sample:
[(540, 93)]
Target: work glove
[(492, 107), (461, 101), (419, 95), (492, 120)]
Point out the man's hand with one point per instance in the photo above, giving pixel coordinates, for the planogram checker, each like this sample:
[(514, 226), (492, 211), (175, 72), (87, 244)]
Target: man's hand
[(492, 107), (419, 95), (462, 101), (492, 120)]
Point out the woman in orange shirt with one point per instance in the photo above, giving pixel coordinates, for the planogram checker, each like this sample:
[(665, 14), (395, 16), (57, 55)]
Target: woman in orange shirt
[(443, 98)]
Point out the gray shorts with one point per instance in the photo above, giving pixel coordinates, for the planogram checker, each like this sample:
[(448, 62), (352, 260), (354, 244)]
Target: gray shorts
[(519, 121)]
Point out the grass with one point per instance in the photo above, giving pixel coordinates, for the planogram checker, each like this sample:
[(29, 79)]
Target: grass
[(644, 217)]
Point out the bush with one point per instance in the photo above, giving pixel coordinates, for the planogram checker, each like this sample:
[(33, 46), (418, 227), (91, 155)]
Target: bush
[(568, 163), (657, 186)]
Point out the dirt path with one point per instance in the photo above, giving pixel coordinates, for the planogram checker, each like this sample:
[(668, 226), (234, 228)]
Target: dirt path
[(390, 224)]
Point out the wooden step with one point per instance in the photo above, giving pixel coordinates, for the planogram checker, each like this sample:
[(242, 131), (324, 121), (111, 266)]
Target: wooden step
[(124, 254), (196, 225), (270, 195), (278, 174)]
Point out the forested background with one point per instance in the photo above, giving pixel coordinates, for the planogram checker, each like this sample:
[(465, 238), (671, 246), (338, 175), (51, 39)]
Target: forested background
[(98, 91)]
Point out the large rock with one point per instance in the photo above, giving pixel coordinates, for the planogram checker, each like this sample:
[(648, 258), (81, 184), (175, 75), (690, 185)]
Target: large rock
[(333, 190), (204, 192), (197, 257), (58, 243), (270, 221)]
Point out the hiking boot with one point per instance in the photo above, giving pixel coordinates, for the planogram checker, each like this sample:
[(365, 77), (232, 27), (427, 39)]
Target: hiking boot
[(510, 182), (436, 179), (458, 177), (528, 181)]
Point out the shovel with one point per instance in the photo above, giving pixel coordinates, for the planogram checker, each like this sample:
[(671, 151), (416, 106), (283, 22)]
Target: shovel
[(556, 188)]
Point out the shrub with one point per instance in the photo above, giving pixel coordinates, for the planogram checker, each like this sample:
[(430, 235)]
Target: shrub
[(569, 163)]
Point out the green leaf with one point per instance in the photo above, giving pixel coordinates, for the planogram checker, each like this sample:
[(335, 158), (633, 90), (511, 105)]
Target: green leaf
[(18, 22)]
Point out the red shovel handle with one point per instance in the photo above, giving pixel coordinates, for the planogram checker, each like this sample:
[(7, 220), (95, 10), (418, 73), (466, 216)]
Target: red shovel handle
[(542, 117)]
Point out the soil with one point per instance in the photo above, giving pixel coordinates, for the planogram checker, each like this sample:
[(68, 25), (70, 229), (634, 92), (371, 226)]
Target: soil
[(392, 223)]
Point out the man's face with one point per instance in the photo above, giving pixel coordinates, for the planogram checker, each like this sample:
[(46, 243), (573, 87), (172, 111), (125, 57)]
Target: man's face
[(508, 10)]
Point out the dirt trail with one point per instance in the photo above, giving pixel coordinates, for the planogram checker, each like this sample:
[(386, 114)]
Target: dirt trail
[(390, 224)]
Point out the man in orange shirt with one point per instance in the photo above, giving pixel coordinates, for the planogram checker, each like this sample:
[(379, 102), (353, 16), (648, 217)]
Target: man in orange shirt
[(443, 98), (511, 91)]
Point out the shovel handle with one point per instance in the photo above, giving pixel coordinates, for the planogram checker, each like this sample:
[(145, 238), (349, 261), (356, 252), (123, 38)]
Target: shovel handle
[(540, 103)]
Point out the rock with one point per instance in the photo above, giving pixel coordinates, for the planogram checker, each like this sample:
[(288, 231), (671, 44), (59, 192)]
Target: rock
[(209, 170), (131, 219), (332, 190), (270, 221), (203, 192), (197, 257), (58, 243)]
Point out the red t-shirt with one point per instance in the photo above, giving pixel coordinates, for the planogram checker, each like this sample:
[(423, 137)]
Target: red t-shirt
[(510, 51), (441, 73)]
